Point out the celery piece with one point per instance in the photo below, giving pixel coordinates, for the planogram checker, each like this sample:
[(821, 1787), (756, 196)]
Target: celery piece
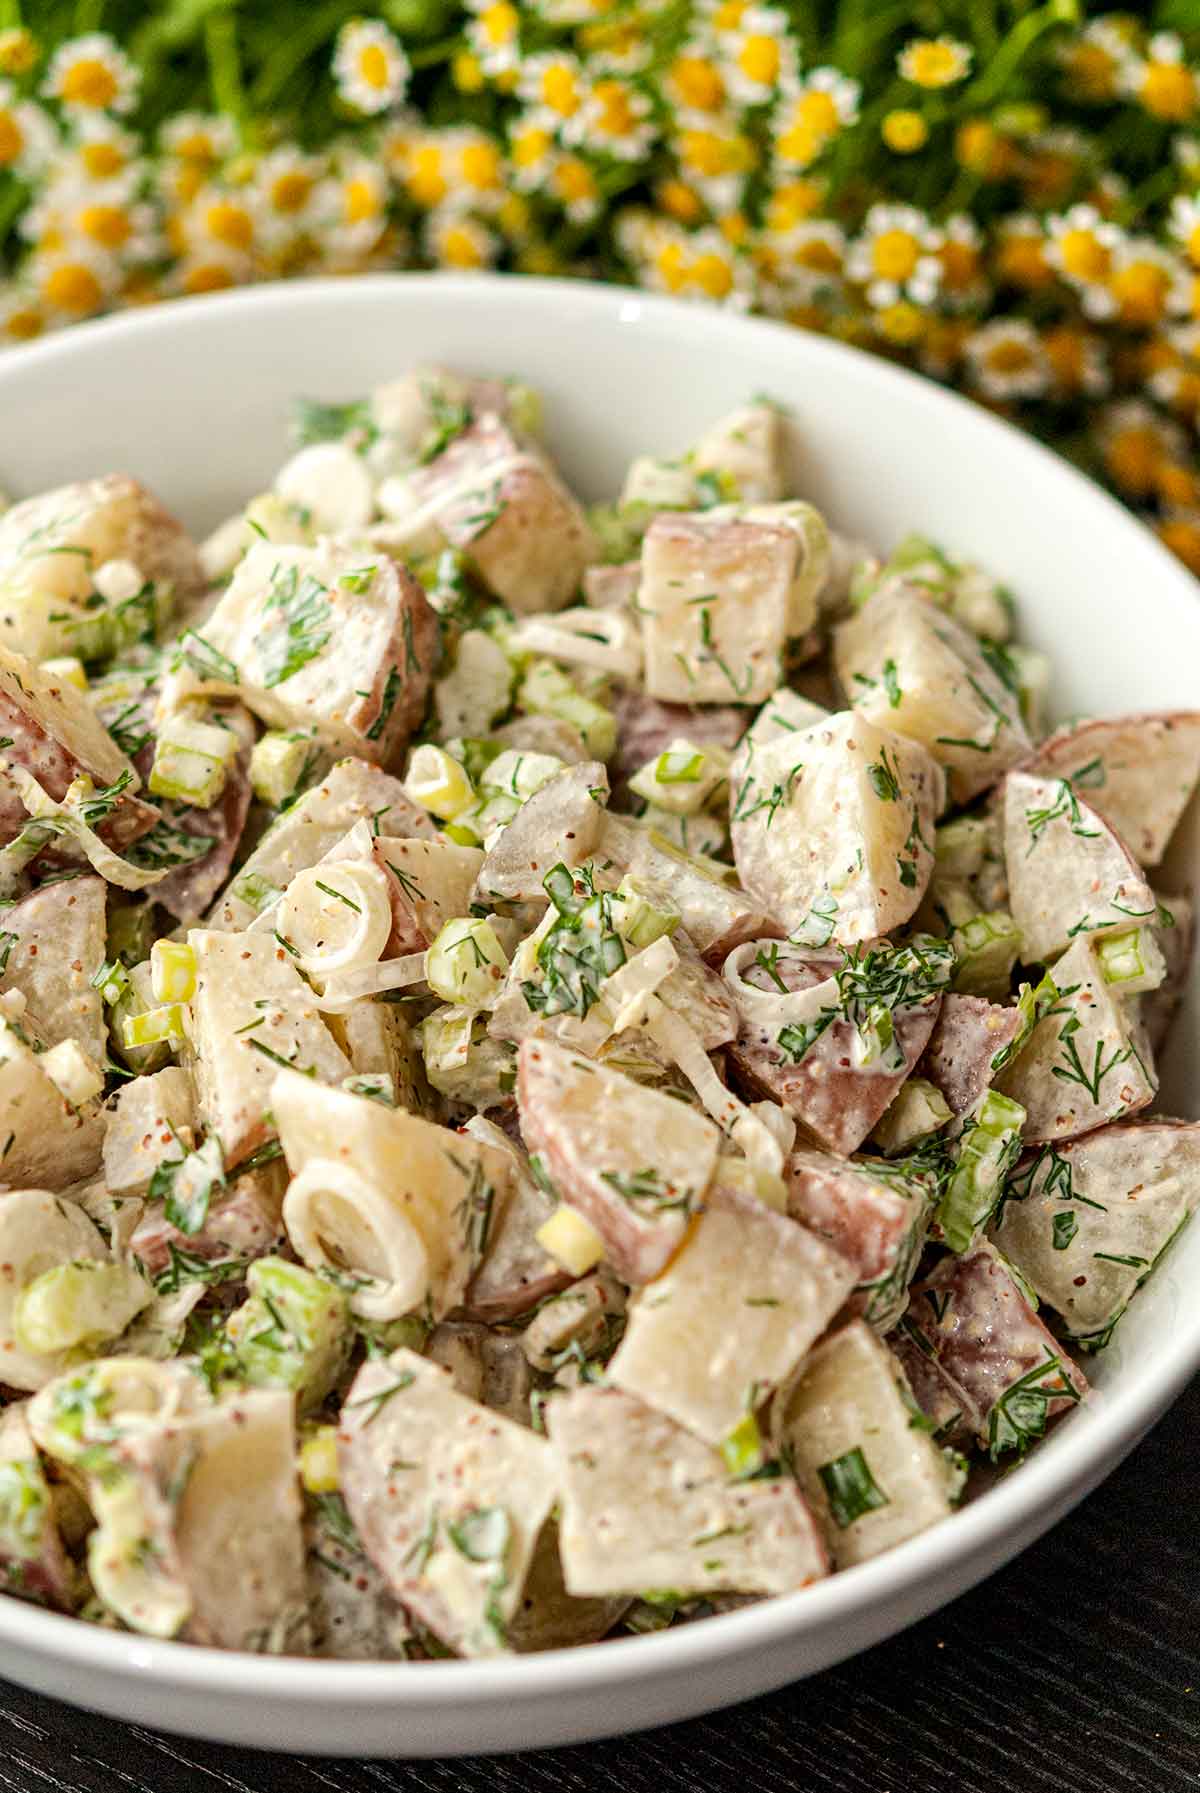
[(988, 947), (742, 1449), (515, 774), (192, 760), (466, 963), (619, 529), (172, 971), (256, 890), (960, 846), (639, 917), (438, 783), (24, 1512), (79, 1304), (112, 981), (990, 1141), (130, 929), (153, 1027), (683, 778), (277, 764), (138, 998), (293, 1331), (1131, 961), (547, 691), (918, 1109)]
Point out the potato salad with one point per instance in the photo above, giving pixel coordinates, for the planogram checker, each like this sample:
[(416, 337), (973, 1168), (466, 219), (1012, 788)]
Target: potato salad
[(562, 1068)]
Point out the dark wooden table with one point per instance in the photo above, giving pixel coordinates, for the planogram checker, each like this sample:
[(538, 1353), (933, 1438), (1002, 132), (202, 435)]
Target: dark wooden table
[(1078, 1668)]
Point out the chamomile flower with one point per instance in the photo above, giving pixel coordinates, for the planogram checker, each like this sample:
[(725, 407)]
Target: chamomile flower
[(1160, 81), (1146, 282), (370, 70), (453, 239), (1020, 257), (98, 149), (352, 205), (1081, 247), (1077, 362), (1171, 370), (91, 74), (963, 283), (811, 114), (494, 34), (531, 152), (1006, 360), (221, 219), (27, 135), (1092, 63), (934, 61), (1134, 441), (904, 131), (22, 317), (574, 185), (693, 82), (715, 156), (792, 199), (477, 171), (757, 56), (204, 138), (553, 84), (616, 46), (209, 270), (19, 51), (286, 184), (107, 215), (73, 280), (896, 256), (614, 120)]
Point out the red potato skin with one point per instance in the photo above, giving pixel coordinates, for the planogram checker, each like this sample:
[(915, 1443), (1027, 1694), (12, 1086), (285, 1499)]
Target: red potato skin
[(413, 654), (867, 1223), (646, 727), (637, 1249), (47, 760), (189, 890), (984, 1334), (244, 1223), (969, 1033), (1074, 746), (835, 1104)]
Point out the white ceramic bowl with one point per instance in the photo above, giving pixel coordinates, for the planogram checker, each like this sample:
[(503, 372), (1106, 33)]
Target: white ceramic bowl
[(193, 399)]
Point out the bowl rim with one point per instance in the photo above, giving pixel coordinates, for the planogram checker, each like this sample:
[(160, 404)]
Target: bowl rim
[(1067, 1466)]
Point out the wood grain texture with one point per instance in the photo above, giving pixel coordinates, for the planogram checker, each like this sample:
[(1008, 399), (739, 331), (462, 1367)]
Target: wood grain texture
[(1078, 1667)]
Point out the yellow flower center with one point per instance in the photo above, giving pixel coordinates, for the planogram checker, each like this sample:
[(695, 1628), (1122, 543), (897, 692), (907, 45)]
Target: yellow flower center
[(614, 113), (901, 323), (467, 72), (960, 265), (792, 203), (1133, 456), (981, 148), (88, 82), (72, 287), (207, 277), (198, 147), (1083, 257), (735, 227), (801, 145), (18, 54), (573, 180), (23, 324), (817, 111), (102, 160), (1022, 262), (460, 249), (531, 146), (678, 201), (1010, 355), (360, 201), (1064, 349), (373, 67), (820, 256), (229, 224), (559, 90), (932, 64), (698, 83), (1178, 485), (499, 23), (12, 140), (895, 254), (672, 266), (729, 15), (1168, 91), (712, 275), (1192, 245), (1182, 537), (514, 216), (481, 166), (290, 191), (426, 178), (1141, 292), (904, 131), (188, 181), (758, 59), (709, 155), (106, 224)]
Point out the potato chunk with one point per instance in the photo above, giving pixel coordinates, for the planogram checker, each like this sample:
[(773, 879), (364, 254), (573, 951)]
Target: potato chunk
[(745, 1297), (251, 1013), (1086, 1222), (837, 820), (502, 503), (44, 1140), (333, 637), (875, 1215), (633, 1162), (717, 604), (645, 1505), (1068, 873), (38, 1232), (51, 944), (968, 1047), (1008, 1374), (351, 791), (1080, 1066), (1136, 771), (905, 663), (150, 1120), (447, 1496), (52, 547), (716, 916), (871, 1477), (560, 823), (514, 1274)]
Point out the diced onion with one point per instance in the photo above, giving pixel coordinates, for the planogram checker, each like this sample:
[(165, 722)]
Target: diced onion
[(337, 916), (338, 1221), (67, 820), (342, 992), (570, 637)]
